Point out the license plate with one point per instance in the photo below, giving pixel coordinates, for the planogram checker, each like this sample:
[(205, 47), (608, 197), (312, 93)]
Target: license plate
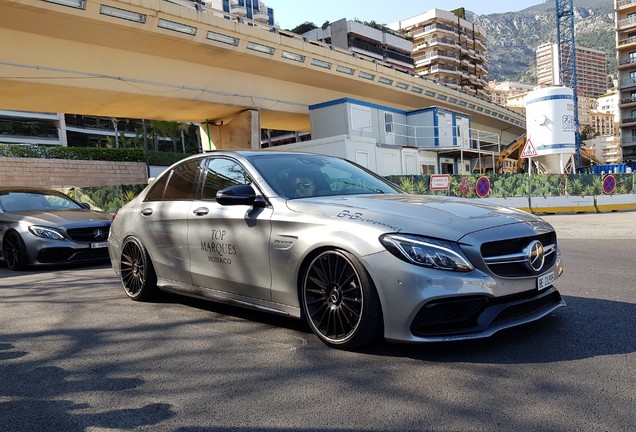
[(545, 280), (99, 245)]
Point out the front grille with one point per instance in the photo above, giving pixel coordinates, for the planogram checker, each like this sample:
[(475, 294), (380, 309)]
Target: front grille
[(67, 255), (497, 255), (88, 234)]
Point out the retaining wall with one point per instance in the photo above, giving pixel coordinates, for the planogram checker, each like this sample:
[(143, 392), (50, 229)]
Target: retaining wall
[(62, 173)]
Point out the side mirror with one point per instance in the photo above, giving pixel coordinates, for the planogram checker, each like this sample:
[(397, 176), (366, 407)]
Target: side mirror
[(238, 195)]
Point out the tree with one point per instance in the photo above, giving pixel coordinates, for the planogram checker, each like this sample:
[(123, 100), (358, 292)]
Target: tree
[(587, 133), (304, 27)]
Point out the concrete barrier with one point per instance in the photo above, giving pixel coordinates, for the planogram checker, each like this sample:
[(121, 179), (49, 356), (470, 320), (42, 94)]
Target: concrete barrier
[(609, 203), (568, 204)]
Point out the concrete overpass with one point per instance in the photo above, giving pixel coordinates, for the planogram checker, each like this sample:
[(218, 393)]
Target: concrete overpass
[(161, 60)]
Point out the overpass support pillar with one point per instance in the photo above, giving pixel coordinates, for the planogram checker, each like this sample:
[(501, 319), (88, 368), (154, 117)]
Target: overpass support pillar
[(243, 132)]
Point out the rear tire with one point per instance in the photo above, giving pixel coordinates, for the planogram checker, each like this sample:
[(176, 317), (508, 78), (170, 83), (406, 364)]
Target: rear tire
[(138, 275), (14, 251), (340, 302)]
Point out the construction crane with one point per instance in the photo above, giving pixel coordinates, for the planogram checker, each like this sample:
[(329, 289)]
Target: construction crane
[(506, 162), (567, 59)]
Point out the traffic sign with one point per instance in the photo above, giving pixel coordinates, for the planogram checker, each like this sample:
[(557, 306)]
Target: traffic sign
[(482, 187), (609, 184), (529, 150)]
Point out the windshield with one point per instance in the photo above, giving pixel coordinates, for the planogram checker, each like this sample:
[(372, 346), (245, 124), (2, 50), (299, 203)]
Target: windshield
[(42, 201), (307, 175)]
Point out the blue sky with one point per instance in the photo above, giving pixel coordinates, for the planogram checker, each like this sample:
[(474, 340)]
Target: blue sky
[(290, 13)]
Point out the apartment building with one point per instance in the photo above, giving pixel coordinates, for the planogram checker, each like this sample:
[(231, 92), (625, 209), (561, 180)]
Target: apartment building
[(608, 103), (448, 49), (591, 69), (625, 16), (381, 44), (254, 10), (501, 92)]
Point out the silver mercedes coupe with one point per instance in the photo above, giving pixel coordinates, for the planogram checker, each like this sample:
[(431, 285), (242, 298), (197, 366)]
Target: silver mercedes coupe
[(322, 239)]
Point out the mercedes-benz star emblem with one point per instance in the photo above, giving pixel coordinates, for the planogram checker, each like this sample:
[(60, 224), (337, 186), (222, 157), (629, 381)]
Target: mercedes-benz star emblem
[(536, 255), (99, 234)]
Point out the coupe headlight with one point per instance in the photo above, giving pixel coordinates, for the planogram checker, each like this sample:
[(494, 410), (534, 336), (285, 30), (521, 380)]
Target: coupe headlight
[(45, 232), (427, 252)]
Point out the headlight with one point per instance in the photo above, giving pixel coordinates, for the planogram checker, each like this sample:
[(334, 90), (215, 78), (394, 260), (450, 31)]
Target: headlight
[(47, 233), (427, 252)]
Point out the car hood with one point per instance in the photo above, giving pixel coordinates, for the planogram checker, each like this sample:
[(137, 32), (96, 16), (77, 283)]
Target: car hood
[(442, 217), (62, 217)]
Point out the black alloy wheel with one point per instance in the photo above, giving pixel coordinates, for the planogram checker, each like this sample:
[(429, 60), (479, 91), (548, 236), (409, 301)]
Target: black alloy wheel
[(14, 251), (340, 302), (137, 273)]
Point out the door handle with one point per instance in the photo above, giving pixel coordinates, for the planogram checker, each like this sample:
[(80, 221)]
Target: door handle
[(201, 211), (146, 212)]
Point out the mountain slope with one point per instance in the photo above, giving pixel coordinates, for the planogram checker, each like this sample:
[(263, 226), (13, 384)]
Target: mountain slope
[(512, 38)]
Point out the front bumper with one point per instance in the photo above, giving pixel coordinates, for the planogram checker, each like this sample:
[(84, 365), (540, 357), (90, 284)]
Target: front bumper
[(425, 305)]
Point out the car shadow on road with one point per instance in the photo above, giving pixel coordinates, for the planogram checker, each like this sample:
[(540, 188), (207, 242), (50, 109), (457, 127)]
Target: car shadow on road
[(38, 397), (586, 328)]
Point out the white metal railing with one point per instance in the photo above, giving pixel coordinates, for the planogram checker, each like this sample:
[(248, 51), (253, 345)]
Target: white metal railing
[(627, 22), (624, 3), (446, 137)]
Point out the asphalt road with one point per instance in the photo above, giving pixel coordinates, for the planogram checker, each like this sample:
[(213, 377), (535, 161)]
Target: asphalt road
[(76, 355)]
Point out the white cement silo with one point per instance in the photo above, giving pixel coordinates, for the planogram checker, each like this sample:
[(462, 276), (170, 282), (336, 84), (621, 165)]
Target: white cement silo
[(550, 124)]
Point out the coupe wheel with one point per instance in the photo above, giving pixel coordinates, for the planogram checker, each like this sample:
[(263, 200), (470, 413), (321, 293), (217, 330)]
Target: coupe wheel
[(14, 251), (137, 273), (340, 302)]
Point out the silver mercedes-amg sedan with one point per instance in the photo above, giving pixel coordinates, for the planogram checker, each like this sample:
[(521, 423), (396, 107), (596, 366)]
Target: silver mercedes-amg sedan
[(322, 239)]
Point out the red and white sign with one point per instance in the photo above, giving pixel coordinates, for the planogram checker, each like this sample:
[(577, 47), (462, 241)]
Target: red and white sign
[(529, 150), (440, 182)]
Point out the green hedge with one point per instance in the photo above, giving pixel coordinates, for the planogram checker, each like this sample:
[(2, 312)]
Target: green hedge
[(90, 153)]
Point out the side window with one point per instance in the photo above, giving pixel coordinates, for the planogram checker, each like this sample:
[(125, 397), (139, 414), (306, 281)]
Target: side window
[(221, 173), (178, 185), (158, 186)]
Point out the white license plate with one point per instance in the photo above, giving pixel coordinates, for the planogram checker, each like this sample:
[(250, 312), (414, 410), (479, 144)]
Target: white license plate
[(99, 245), (545, 280)]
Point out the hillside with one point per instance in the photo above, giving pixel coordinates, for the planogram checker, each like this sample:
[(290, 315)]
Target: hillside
[(512, 38)]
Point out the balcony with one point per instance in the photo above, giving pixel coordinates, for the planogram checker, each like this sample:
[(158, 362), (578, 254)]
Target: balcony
[(627, 83), (626, 23), (444, 41), (628, 120), (622, 5), (395, 56), (626, 43), (628, 101), (366, 47), (628, 141), (628, 63)]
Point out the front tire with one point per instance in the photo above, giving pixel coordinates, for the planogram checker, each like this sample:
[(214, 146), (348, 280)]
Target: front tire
[(138, 275), (14, 251), (340, 302)]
